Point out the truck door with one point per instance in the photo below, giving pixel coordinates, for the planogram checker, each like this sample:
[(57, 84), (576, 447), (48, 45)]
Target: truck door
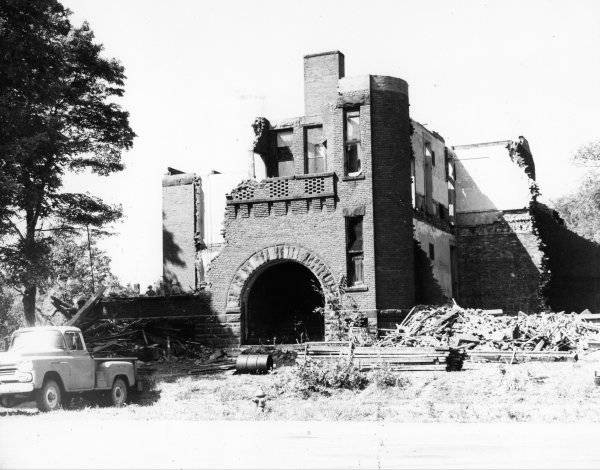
[(83, 367)]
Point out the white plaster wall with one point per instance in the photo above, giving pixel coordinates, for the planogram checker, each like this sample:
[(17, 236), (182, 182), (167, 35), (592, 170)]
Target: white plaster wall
[(440, 185), (487, 179), (426, 234)]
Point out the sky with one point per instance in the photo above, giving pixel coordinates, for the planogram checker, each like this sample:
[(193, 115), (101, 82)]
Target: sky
[(199, 72)]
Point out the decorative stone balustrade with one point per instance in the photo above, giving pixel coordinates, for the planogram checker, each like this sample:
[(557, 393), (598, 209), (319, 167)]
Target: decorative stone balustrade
[(320, 185)]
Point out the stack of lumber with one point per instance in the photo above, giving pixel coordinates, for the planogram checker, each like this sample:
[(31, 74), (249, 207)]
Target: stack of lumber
[(396, 358), (477, 330)]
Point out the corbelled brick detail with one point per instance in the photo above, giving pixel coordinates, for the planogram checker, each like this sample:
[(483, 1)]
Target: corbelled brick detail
[(280, 208), (260, 209), (299, 207)]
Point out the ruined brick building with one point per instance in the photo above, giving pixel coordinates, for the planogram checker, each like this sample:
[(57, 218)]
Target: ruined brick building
[(357, 195)]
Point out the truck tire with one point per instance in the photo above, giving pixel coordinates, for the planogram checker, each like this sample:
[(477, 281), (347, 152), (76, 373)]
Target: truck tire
[(7, 402), (118, 393), (49, 397)]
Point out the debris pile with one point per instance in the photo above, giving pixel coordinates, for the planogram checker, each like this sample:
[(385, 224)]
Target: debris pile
[(452, 326), (147, 339)]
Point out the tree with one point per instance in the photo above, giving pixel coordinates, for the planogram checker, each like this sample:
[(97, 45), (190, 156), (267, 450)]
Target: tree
[(581, 209), (74, 274), (11, 317), (58, 114)]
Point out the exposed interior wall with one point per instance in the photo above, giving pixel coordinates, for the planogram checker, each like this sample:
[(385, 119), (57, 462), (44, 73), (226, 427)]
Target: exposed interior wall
[(440, 265), (488, 180), (500, 257), (182, 209), (214, 189), (420, 137)]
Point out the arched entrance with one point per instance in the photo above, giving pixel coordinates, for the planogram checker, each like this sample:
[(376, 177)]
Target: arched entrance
[(279, 305)]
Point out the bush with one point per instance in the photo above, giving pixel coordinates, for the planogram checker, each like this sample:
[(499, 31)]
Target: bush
[(385, 377), (320, 377)]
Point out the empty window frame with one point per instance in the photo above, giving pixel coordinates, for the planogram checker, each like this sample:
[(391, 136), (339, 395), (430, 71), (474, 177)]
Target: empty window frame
[(316, 150), (428, 179), (449, 166), (413, 186), (352, 147), (441, 211), (354, 250), (429, 154), (283, 153), (451, 199)]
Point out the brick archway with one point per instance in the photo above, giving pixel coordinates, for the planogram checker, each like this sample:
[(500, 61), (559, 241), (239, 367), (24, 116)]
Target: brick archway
[(271, 254)]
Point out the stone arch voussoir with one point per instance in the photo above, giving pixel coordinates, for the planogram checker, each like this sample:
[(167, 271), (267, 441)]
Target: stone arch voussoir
[(272, 253)]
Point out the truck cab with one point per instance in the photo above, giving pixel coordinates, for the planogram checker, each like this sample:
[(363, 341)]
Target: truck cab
[(51, 363)]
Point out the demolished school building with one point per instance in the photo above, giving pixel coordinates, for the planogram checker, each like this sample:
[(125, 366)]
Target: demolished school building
[(358, 195)]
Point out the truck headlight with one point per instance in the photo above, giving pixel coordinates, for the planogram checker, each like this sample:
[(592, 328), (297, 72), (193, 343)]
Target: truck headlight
[(25, 366), (24, 376)]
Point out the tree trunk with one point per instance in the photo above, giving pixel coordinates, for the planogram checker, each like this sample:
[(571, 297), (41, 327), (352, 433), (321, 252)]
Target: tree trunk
[(29, 304), (30, 254)]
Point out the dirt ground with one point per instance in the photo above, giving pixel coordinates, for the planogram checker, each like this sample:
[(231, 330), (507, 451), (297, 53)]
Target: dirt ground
[(530, 392)]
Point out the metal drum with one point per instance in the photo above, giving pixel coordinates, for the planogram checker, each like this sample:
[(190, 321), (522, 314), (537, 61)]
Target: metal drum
[(253, 363)]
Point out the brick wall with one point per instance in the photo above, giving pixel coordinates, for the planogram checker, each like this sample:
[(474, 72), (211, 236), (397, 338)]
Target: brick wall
[(315, 225), (321, 74), (320, 231), (392, 206), (182, 212), (499, 263), (355, 194)]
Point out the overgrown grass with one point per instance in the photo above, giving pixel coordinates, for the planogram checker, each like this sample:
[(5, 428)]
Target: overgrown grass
[(544, 392), (310, 377)]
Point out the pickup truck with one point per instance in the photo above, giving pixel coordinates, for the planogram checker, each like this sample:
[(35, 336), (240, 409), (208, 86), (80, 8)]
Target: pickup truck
[(51, 363)]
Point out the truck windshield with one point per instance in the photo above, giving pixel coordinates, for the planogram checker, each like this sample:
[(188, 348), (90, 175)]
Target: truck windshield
[(37, 341)]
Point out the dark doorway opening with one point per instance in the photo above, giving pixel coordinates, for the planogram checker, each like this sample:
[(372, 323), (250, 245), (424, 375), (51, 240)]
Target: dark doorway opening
[(280, 306)]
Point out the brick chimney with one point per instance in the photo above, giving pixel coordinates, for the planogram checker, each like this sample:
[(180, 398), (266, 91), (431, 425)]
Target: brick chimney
[(321, 74)]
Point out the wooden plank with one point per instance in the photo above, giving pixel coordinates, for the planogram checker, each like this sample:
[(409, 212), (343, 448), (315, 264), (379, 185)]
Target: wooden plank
[(80, 315), (406, 318), (503, 356), (415, 368)]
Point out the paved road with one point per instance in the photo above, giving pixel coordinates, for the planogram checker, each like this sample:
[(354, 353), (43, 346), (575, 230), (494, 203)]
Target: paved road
[(42, 442)]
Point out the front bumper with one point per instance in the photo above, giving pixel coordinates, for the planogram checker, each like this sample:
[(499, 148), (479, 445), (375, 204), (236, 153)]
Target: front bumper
[(10, 388)]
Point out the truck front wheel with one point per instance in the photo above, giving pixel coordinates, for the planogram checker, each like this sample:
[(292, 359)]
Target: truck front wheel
[(48, 398), (118, 393), (7, 401)]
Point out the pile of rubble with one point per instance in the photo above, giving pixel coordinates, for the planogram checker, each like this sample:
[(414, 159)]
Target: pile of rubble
[(452, 326), (147, 339)]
